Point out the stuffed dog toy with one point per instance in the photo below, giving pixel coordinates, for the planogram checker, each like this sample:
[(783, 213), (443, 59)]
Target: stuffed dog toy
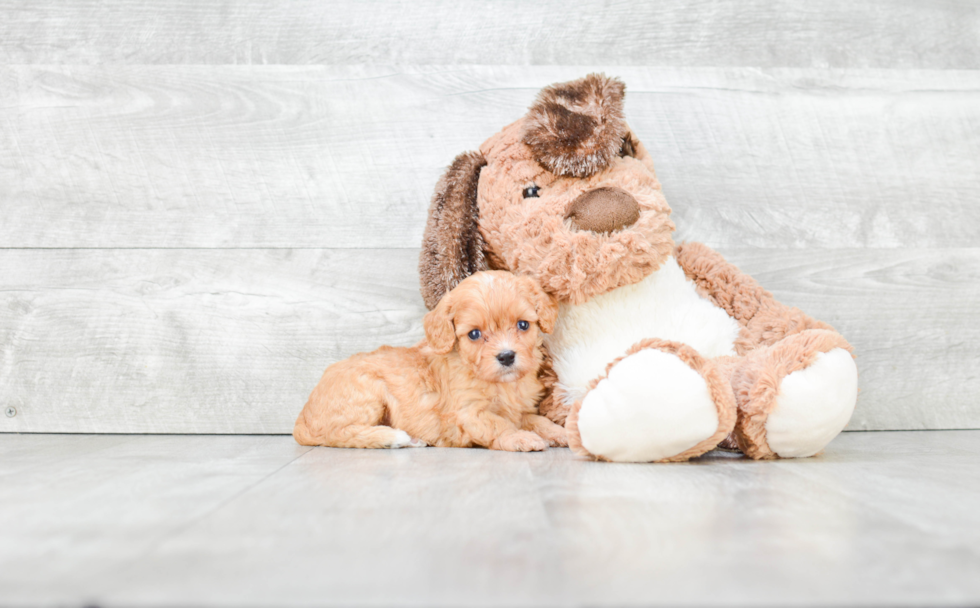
[(473, 381), (660, 352)]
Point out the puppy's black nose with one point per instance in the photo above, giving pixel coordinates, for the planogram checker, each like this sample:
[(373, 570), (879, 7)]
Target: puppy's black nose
[(506, 358)]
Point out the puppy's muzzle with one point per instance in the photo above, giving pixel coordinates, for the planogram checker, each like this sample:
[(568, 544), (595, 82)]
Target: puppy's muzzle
[(603, 210), (506, 358)]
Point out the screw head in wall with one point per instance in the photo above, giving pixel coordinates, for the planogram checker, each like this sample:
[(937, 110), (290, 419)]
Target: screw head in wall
[(10, 412)]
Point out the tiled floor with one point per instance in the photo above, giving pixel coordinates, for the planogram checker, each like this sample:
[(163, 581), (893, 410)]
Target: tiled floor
[(880, 518)]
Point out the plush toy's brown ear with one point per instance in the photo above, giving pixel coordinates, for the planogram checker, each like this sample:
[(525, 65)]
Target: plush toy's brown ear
[(575, 128), (440, 332), (452, 246), (545, 305)]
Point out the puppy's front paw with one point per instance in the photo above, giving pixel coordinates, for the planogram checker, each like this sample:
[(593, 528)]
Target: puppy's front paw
[(556, 437), (520, 441)]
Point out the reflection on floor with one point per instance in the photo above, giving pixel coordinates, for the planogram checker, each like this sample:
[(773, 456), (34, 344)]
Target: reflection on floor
[(880, 518)]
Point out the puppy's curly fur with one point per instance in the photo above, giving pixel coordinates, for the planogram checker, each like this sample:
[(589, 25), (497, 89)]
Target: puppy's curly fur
[(473, 381)]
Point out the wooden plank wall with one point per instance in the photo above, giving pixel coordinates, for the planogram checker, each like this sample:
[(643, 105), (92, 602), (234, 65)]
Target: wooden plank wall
[(202, 204)]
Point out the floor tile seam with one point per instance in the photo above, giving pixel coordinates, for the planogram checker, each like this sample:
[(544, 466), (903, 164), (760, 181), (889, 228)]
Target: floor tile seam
[(128, 439), (73, 456), (538, 483), (884, 514), (187, 525)]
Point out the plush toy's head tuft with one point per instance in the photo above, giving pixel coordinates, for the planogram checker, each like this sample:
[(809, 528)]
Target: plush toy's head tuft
[(576, 128)]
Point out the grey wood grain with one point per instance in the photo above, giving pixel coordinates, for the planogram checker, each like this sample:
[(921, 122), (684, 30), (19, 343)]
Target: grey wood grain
[(118, 498), (280, 156), (875, 33), (192, 341), (232, 341), (878, 519)]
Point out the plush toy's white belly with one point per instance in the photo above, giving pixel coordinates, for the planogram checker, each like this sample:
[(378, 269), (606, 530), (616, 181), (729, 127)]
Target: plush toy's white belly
[(664, 305)]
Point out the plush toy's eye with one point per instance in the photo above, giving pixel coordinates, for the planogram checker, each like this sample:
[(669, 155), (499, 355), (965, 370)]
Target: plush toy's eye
[(531, 191), (474, 334), (628, 148), (523, 325)]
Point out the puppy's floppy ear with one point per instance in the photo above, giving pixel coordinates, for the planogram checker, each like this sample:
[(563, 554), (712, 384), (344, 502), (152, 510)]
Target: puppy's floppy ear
[(452, 246), (544, 304), (575, 128), (440, 332)]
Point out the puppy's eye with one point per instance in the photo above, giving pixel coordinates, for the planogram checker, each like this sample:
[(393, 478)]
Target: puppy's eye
[(531, 191), (523, 325), (474, 334), (628, 148)]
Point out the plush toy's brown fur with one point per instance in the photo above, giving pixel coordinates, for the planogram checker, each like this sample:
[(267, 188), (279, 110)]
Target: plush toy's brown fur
[(575, 129), (453, 248), (533, 236), (573, 144)]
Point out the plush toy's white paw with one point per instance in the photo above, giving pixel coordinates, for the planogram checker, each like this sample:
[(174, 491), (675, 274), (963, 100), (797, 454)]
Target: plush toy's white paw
[(651, 406), (404, 440), (813, 405)]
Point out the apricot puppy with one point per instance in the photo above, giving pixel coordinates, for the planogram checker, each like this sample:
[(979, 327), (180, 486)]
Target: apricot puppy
[(473, 380)]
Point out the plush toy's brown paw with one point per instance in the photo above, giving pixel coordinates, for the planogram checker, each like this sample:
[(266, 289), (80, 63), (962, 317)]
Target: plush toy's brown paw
[(662, 402), (795, 396)]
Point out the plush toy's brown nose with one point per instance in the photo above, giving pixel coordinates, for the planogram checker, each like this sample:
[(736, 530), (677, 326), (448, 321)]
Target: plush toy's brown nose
[(603, 210)]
